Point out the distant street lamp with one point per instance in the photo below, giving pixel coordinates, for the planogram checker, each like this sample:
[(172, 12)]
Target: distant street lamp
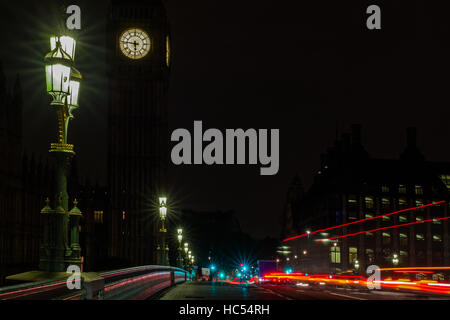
[(163, 247), (58, 251), (356, 264), (186, 245), (180, 250), (335, 256), (395, 260)]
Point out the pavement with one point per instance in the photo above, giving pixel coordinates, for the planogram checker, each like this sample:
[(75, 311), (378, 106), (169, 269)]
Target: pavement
[(195, 290)]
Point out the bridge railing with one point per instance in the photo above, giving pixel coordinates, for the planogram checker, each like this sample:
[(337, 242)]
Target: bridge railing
[(135, 283)]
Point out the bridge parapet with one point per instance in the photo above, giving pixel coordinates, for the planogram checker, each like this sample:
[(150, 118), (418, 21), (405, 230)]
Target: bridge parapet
[(136, 283)]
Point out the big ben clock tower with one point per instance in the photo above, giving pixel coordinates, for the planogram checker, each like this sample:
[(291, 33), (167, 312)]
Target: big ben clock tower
[(138, 57)]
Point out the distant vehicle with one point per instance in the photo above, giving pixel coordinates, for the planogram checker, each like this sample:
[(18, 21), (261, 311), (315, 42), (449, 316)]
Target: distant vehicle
[(206, 272), (266, 266)]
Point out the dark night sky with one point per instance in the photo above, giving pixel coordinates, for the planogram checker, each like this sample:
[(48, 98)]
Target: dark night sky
[(280, 64)]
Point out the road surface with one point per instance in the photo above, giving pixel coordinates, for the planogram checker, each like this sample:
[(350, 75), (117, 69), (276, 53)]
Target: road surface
[(224, 291)]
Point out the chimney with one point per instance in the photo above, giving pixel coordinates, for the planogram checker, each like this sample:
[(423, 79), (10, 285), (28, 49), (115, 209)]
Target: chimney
[(356, 134), (411, 137)]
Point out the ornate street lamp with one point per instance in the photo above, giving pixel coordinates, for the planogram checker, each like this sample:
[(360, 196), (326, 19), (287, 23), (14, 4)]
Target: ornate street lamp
[(180, 250), (186, 249), (63, 84), (395, 260), (356, 264), (163, 247)]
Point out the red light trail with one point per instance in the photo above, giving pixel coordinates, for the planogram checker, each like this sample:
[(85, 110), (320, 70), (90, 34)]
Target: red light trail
[(383, 228), (362, 220)]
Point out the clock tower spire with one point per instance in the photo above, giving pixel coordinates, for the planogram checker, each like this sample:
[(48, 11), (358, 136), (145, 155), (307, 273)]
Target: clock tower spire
[(138, 59)]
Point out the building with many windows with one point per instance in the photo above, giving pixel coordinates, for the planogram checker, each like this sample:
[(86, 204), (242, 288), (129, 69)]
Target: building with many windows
[(349, 186)]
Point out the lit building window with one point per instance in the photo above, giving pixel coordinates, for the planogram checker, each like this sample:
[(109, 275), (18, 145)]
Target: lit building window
[(352, 199), (98, 216), (402, 219), (437, 238), (386, 238), (403, 239), (419, 203), (402, 188), (352, 254), (386, 218), (403, 253), (402, 203), (418, 190), (419, 218), (384, 188), (385, 204), (436, 221), (167, 51), (369, 215), (446, 180), (369, 202), (420, 236), (369, 234), (335, 253), (370, 255)]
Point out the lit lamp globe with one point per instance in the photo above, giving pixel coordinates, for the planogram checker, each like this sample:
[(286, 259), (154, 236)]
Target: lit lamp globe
[(162, 201), (162, 208), (163, 213), (68, 44), (58, 66), (74, 90)]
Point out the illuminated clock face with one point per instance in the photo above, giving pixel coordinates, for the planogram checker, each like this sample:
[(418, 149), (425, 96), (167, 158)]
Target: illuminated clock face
[(135, 43)]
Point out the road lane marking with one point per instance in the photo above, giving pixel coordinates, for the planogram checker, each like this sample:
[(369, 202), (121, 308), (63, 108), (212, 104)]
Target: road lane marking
[(346, 296), (277, 294)]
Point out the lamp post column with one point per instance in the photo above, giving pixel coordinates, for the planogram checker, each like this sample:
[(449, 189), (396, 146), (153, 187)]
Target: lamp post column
[(163, 248), (179, 253), (62, 82)]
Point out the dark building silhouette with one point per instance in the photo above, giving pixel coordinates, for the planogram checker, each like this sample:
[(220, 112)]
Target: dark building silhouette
[(351, 185), (118, 224), (24, 184), (137, 126)]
